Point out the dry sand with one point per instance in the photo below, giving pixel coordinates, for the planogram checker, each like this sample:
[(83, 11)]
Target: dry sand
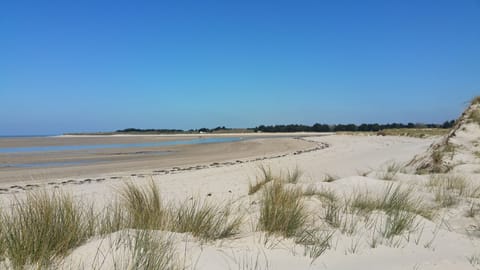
[(358, 162)]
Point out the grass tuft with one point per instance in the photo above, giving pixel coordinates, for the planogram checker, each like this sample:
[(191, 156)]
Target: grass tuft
[(392, 200), (391, 171), (266, 176), (333, 214), (293, 176), (448, 188), (205, 220), (42, 228), (147, 251), (282, 210), (143, 206), (398, 222), (315, 241)]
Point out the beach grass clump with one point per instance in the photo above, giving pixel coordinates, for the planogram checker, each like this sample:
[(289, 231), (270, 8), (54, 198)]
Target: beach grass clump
[(392, 200), (448, 188), (42, 228), (145, 210), (266, 176), (282, 210), (474, 116), (293, 176), (315, 241), (399, 205), (398, 222), (112, 219), (205, 220), (391, 171), (437, 158), (151, 253), (333, 213), (143, 206)]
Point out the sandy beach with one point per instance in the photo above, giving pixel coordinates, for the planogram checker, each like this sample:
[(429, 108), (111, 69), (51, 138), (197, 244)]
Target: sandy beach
[(91, 163), (344, 166)]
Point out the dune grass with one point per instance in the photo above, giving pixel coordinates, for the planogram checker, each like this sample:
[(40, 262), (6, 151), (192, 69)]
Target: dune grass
[(391, 171), (314, 241), (112, 219), (152, 253), (266, 176), (333, 214), (143, 206), (399, 205), (293, 176), (415, 132), (392, 200), (474, 116), (205, 220), (42, 228), (145, 210), (282, 210), (448, 188), (398, 222)]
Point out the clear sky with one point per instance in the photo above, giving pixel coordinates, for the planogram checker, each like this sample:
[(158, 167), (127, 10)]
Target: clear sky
[(72, 66)]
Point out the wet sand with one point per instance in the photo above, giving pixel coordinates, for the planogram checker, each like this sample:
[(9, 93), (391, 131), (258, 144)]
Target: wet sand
[(112, 161)]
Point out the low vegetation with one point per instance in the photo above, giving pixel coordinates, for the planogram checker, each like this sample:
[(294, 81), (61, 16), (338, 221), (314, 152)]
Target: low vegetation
[(42, 228), (474, 116), (266, 176), (148, 252), (416, 132), (144, 208), (393, 199), (391, 171), (204, 220), (314, 241), (282, 210), (293, 176), (448, 188)]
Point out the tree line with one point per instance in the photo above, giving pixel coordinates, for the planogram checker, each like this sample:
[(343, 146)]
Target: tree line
[(347, 127), (297, 128)]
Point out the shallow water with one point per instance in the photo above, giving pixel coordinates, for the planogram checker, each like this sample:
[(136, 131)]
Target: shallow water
[(118, 145)]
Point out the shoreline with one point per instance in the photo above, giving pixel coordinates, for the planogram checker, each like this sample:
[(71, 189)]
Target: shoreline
[(142, 174), (107, 161)]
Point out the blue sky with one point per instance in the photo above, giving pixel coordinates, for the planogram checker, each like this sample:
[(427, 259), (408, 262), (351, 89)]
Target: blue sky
[(68, 66)]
